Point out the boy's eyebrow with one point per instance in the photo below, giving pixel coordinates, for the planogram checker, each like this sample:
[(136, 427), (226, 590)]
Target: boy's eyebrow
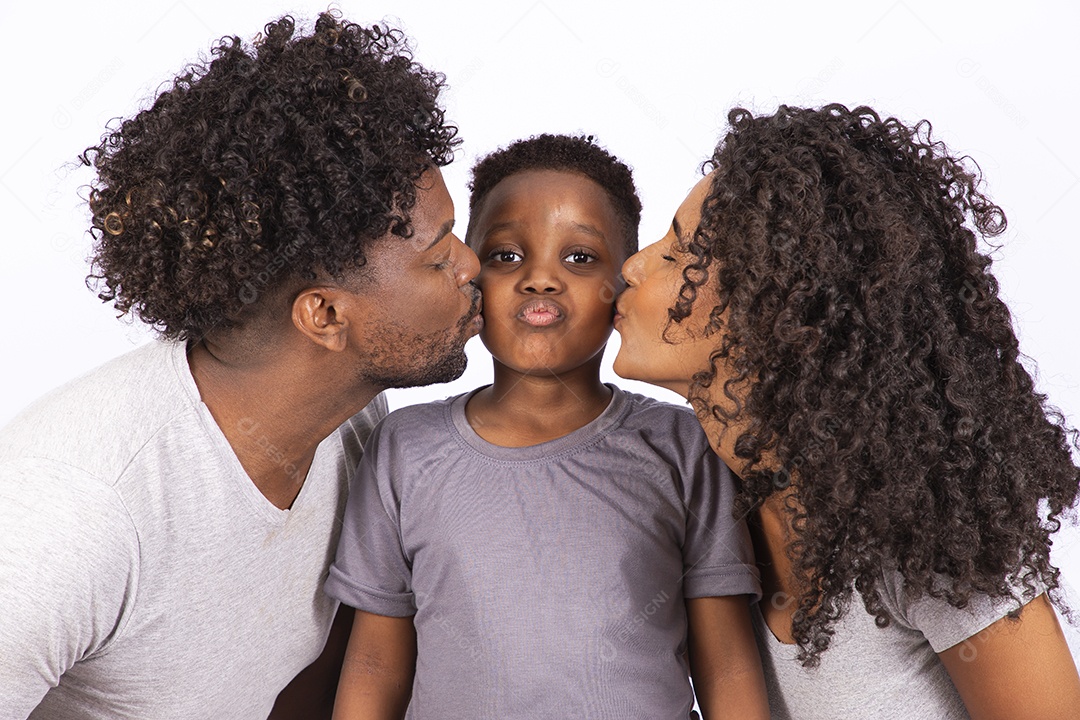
[(507, 225), (443, 232), (512, 224), (590, 230), (677, 228)]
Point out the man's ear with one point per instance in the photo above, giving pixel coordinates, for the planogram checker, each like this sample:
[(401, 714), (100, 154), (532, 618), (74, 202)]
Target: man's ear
[(322, 314)]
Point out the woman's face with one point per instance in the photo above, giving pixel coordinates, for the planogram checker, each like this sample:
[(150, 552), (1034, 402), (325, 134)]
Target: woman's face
[(653, 277)]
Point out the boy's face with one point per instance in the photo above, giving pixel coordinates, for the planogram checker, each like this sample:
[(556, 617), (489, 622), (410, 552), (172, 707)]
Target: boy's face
[(550, 249)]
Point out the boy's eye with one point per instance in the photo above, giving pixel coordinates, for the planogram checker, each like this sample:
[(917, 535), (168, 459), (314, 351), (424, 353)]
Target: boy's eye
[(580, 257), (668, 258), (506, 256)]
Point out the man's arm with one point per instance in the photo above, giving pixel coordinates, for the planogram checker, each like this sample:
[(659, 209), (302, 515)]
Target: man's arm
[(68, 571), (377, 676), (310, 695), (724, 660), (1017, 669)]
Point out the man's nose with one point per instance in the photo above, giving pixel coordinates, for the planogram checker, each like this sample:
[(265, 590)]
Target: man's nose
[(469, 265)]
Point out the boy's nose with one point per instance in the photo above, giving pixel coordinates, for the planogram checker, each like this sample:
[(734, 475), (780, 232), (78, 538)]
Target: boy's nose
[(540, 278)]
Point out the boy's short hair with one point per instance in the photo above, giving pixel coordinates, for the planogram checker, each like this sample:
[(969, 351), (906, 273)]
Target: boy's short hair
[(567, 153)]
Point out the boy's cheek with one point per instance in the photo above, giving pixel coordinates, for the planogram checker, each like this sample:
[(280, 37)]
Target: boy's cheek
[(481, 280)]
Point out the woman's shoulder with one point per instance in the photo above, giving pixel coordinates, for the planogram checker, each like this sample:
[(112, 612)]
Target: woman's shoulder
[(942, 623), (898, 674)]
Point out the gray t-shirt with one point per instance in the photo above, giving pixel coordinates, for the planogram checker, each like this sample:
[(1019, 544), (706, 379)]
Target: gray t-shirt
[(546, 581), (876, 673), (142, 573)]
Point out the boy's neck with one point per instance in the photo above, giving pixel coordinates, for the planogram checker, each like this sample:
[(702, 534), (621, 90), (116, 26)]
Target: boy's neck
[(520, 409)]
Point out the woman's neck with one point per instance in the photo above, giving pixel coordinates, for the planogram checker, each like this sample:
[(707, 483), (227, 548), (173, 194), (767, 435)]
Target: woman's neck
[(771, 533)]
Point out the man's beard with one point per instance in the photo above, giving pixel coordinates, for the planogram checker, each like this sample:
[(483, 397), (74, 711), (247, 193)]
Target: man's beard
[(401, 362), (442, 360)]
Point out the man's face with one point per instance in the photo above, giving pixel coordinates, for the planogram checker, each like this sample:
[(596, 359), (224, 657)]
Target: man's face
[(420, 304)]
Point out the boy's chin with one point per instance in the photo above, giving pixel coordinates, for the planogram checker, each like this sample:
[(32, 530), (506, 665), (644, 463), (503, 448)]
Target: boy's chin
[(546, 365)]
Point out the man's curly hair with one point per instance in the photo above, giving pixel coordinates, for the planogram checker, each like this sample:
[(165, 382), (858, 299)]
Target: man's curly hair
[(280, 160), (871, 365), (577, 154)]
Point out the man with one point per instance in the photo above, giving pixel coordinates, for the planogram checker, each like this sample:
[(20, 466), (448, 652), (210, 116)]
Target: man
[(167, 520)]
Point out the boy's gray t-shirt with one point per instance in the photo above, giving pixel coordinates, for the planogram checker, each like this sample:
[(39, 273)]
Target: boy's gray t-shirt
[(142, 573), (546, 581)]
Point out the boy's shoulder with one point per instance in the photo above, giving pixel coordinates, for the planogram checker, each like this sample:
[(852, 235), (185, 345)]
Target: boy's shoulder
[(653, 410), (420, 416), (664, 424)]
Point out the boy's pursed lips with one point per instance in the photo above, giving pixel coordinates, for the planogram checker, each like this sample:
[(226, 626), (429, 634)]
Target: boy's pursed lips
[(541, 312)]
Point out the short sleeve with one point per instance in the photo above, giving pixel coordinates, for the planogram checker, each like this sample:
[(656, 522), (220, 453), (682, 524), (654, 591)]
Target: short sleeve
[(365, 420), (718, 556), (942, 624), (68, 576), (371, 572)]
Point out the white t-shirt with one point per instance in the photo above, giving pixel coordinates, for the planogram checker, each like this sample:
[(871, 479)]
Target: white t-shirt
[(890, 673), (142, 573)]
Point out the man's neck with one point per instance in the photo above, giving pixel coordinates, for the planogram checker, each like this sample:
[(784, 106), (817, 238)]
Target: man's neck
[(272, 413), (521, 409)]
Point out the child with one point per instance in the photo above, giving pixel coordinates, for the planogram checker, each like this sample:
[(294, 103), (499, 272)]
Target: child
[(538, 547)]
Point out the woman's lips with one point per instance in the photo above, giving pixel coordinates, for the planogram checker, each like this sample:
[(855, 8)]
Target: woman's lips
[(540, 313)]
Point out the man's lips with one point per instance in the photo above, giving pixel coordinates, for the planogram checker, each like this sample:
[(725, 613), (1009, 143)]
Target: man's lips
[(474, 317), (541, 313)]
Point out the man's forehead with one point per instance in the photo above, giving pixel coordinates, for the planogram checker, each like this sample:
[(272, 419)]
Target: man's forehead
[(393, 249)]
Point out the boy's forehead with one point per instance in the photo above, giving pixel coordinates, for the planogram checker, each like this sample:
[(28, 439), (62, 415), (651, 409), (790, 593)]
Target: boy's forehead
[(551, 196)]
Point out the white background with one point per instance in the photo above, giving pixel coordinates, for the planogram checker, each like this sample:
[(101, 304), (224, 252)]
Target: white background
[(1000, 81)]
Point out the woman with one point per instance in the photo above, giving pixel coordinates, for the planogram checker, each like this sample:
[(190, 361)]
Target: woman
[(821, 302)]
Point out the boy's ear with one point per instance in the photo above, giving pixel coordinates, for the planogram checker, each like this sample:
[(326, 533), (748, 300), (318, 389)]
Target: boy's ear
[(322, 313)]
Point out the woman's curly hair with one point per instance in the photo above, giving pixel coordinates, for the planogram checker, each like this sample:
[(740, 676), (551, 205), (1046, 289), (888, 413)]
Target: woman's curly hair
[(872, 368), (270, 162)]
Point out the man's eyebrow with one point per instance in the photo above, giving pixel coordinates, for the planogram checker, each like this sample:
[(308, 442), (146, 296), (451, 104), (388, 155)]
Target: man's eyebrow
[(677, 228), (443, 232)]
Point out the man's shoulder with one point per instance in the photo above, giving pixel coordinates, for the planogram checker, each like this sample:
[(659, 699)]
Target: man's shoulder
[(96, 422), (355, 431), (141, 373)]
